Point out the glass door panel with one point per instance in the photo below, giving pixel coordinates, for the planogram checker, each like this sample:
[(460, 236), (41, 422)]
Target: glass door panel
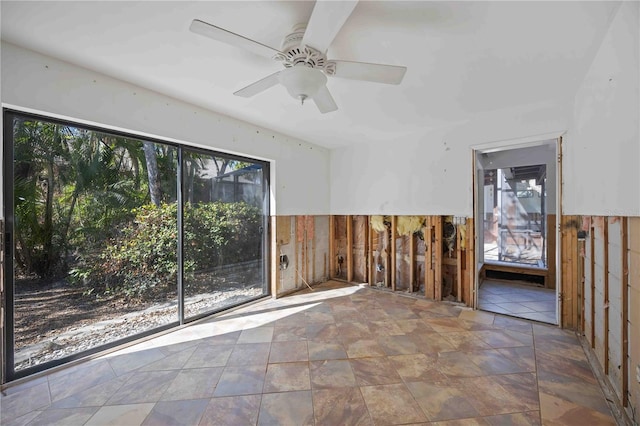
[(224, 219), (522, 216), (93, 221)]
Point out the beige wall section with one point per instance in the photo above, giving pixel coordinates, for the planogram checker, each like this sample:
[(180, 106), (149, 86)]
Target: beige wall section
[(304, 240), (612, 304)]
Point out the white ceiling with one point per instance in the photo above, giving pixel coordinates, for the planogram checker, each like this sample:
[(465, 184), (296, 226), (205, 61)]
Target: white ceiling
[(463, 58)]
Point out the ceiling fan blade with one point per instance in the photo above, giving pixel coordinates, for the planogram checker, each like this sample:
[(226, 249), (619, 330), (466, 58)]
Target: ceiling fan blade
[(378, 73), (326, 20), (324, 101), (258, 86), (233, 39)]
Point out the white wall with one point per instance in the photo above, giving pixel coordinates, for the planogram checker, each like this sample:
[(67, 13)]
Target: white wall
[(602, 146), (40, 83), (432, 173)]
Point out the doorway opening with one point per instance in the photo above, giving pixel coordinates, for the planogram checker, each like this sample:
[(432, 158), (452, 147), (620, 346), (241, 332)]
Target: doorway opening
[(516, 201)]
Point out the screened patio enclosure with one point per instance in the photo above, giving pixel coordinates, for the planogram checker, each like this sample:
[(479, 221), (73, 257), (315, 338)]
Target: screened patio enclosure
[(515, 216)]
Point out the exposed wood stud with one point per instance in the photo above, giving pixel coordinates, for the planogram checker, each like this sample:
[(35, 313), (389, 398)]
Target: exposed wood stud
[(387, 259), (295, 251), (429, 286), (458, 265), (313, 255), (575, 257), (592, 246), (428, 260), (370, 266), (606, 294), (332, 246), (349, 258), (412, 262), (305, 265), (275, 270), (366, 248), (438, 259), (471, 263), (564, 270), (581, 283), (393, 252), (624, 295), (580, 288)]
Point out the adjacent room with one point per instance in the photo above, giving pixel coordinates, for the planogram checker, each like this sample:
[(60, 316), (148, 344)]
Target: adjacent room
[(320, 212), (517, 205)]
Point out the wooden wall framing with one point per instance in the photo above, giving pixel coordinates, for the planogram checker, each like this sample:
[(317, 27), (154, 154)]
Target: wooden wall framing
[(611, 294), (405, 263), (571, 278), (600, 276), (306, 243)]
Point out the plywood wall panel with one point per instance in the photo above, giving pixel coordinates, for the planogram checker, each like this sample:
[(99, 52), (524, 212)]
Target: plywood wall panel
[(599, 312), (341, 247), (615, 362), (403, 263), (380, 259), (285, 279), (570, 257), (360, 244), (321, 253), (419, 263)]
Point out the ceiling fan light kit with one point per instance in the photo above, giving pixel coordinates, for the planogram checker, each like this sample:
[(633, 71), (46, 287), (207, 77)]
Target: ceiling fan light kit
[(304, 58), (302, 82)]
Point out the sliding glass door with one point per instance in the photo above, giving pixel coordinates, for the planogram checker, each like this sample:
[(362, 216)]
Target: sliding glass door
[(105, 243), (224, 239)]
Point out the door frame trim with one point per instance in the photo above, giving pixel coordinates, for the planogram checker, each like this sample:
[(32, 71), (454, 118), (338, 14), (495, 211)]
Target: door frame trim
[(505, 145)]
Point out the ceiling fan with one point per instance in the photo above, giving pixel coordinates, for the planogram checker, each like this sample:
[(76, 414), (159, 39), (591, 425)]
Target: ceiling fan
[(303, 55)]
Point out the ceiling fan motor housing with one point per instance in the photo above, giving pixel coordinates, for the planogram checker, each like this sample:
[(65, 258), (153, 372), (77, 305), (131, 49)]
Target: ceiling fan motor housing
[(294, 54)]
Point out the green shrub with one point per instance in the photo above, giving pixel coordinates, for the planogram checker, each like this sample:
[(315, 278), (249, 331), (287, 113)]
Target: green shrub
[(142, 259)]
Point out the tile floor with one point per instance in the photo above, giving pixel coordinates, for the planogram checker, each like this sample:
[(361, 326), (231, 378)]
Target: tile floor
[(518, 300), (341, 355)]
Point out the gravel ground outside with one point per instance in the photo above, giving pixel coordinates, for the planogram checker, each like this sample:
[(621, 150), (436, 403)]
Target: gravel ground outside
[(57, 320)]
